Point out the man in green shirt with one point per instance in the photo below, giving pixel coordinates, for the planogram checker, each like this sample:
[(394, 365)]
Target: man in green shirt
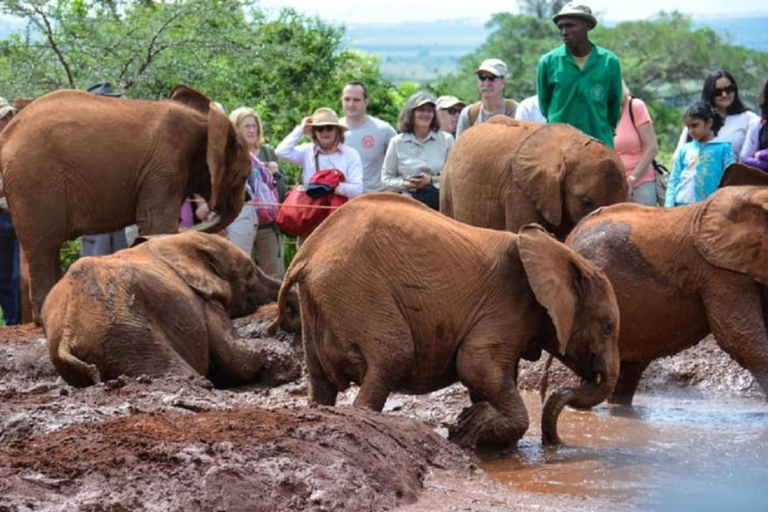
[(579, 83)]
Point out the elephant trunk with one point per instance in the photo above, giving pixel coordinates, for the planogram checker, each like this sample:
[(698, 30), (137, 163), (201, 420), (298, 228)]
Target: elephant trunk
[(589, 394)]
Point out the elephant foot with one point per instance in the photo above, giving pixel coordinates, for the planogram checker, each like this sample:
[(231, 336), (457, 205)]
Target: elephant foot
[(481, 425)]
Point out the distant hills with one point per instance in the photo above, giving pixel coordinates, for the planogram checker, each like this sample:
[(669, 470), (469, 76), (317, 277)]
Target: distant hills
[(421, 51)]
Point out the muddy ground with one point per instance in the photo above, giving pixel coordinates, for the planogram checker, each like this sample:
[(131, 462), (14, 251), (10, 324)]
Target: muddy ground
[(180, 444)]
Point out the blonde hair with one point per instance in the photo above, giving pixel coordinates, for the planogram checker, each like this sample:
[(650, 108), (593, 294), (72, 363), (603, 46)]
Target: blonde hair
[(240, 114), (625, 94)]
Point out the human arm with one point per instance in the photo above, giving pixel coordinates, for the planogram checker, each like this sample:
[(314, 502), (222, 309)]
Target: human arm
[(287, 149), (647, 138), (750, 146), (674, 179), (390, 177), (352, 186), (542, 89)]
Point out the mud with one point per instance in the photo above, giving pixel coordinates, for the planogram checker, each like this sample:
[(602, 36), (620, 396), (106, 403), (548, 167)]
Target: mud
[(183, 444)]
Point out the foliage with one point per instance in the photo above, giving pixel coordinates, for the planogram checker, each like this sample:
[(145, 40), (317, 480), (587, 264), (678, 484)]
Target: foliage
[(543, 9), (663, 62)]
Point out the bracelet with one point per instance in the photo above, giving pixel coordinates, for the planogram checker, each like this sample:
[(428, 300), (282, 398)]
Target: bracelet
[(632, 178)]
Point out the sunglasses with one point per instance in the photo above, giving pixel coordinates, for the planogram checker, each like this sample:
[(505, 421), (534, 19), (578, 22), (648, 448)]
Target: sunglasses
[(488, 78), (452, 111), (727, 90), (325, 128)]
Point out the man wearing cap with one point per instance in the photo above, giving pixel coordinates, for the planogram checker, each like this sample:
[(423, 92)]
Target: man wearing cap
[(10, 283), (579, 83), (491, 80), (106, 243), (448, 110), (368, 135)]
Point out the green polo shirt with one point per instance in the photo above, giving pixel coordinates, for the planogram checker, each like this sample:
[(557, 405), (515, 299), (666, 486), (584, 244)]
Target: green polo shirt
[(588, 98)]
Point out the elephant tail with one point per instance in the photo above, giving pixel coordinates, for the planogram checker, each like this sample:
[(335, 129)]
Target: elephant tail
[(291, 276), (72, 369)]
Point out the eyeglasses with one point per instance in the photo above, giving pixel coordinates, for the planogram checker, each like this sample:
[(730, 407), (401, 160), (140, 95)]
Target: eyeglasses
[(452, 111), (727, 90), (488, 78), (324, 128)]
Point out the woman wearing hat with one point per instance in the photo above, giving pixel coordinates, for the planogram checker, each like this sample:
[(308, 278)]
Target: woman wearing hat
[(416, 156), (326, 151)]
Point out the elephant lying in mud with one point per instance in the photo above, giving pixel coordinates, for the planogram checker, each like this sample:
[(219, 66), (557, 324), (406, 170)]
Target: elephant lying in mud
[(103, 163), (414, 301), (682, 273), (505, 173), (161, 307)]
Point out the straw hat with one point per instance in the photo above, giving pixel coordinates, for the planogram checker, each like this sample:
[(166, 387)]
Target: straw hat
[(326, 117), (574, 10)]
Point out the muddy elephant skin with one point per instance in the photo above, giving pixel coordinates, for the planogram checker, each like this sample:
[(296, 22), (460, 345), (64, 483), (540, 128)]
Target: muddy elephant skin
[(76, 163), (415, 301), (682, 273), (505, 173), (161, 307)]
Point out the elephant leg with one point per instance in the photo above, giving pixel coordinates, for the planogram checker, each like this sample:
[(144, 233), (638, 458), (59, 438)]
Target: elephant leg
[(157, 214), (44, 271), (629, 378), (238, 359), (374, 391), (497, 415), (735, 315)]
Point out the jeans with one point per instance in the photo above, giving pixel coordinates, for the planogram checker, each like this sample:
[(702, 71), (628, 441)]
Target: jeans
[(101, 245), (10, 282), (645, 194)]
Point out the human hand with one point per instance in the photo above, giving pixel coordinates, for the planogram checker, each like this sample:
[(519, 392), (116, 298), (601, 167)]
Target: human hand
[(202, 211), (421, 180), (273, 167), (306, 125)]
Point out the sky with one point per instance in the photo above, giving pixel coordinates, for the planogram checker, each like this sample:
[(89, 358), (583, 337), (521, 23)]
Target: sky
[(398, 11)]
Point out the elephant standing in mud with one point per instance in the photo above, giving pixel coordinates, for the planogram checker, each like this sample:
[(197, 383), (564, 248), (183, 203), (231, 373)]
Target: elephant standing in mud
[(682, 273), (397, 297), (75, 163), (505, 173), (162, 307)]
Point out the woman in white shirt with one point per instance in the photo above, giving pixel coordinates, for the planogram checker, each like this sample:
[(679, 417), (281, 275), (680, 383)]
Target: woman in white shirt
[(326, 151), (416, 156), (722, 92)]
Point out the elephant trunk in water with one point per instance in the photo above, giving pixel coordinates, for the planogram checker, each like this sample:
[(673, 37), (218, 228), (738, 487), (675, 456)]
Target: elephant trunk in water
[(589, 394)]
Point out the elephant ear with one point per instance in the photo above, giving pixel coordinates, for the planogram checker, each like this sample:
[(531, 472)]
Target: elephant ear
[(730, 231), (538, 166), (556, 278), (199, 259), (191, 98), (222, 151)]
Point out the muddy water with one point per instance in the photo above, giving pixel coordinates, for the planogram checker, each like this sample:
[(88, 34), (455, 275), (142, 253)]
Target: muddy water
[(664, 453)]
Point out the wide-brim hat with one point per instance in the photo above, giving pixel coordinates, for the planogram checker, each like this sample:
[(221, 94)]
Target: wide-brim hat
[(326, 117), (574, 10), (6, 108), (446, 102), (496, 67), (105, 89)]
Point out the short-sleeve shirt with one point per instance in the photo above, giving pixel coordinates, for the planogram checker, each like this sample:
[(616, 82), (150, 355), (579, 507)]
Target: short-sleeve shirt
[(371, 140), (627, 140)]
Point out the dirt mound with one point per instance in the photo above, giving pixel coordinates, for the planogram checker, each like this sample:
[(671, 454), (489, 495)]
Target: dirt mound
[(246, 459)]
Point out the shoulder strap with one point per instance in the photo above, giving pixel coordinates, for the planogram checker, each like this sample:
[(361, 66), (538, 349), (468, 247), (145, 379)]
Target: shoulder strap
[(632, 114), (474, 111), (510, 105), (317, 160)]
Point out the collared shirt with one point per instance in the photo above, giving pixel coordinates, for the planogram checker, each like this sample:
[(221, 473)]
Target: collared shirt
[(589, 98), (344, 158), (407, 156)]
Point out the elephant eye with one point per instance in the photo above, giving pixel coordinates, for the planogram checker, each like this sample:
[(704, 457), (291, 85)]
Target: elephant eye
[(608, 328), (587, 203)]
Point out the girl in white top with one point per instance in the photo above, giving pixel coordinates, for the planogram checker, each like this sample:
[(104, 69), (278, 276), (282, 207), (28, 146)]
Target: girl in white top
[(721, 91), (416, 156), (328, 145)]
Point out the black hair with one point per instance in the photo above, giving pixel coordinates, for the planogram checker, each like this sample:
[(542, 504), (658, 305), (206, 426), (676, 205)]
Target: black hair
[(762, 101), (704, 111), (360, 84), (708, 92)]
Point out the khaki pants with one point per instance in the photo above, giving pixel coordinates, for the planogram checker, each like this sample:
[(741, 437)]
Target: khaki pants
[(270, 252)]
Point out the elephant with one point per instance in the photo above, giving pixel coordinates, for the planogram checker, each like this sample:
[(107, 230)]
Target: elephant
[(682, 273), (161, 307), (75, 163), (415, 301), (505, 173)]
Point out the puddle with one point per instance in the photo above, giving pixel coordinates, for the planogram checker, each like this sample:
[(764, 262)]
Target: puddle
[(662, 454)]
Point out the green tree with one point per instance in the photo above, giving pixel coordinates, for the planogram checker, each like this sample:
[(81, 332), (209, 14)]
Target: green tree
[(543, 9)]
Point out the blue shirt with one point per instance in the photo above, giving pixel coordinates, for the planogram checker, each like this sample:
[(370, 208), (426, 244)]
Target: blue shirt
[(701, 166)]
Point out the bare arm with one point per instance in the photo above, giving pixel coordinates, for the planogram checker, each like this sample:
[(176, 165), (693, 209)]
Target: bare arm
[(648, 139)]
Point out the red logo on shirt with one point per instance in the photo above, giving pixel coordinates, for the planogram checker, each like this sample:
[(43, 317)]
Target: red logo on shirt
[(368, 142)]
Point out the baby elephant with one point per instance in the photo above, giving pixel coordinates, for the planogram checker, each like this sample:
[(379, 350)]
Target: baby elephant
[(397, 297), (161, 307)]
